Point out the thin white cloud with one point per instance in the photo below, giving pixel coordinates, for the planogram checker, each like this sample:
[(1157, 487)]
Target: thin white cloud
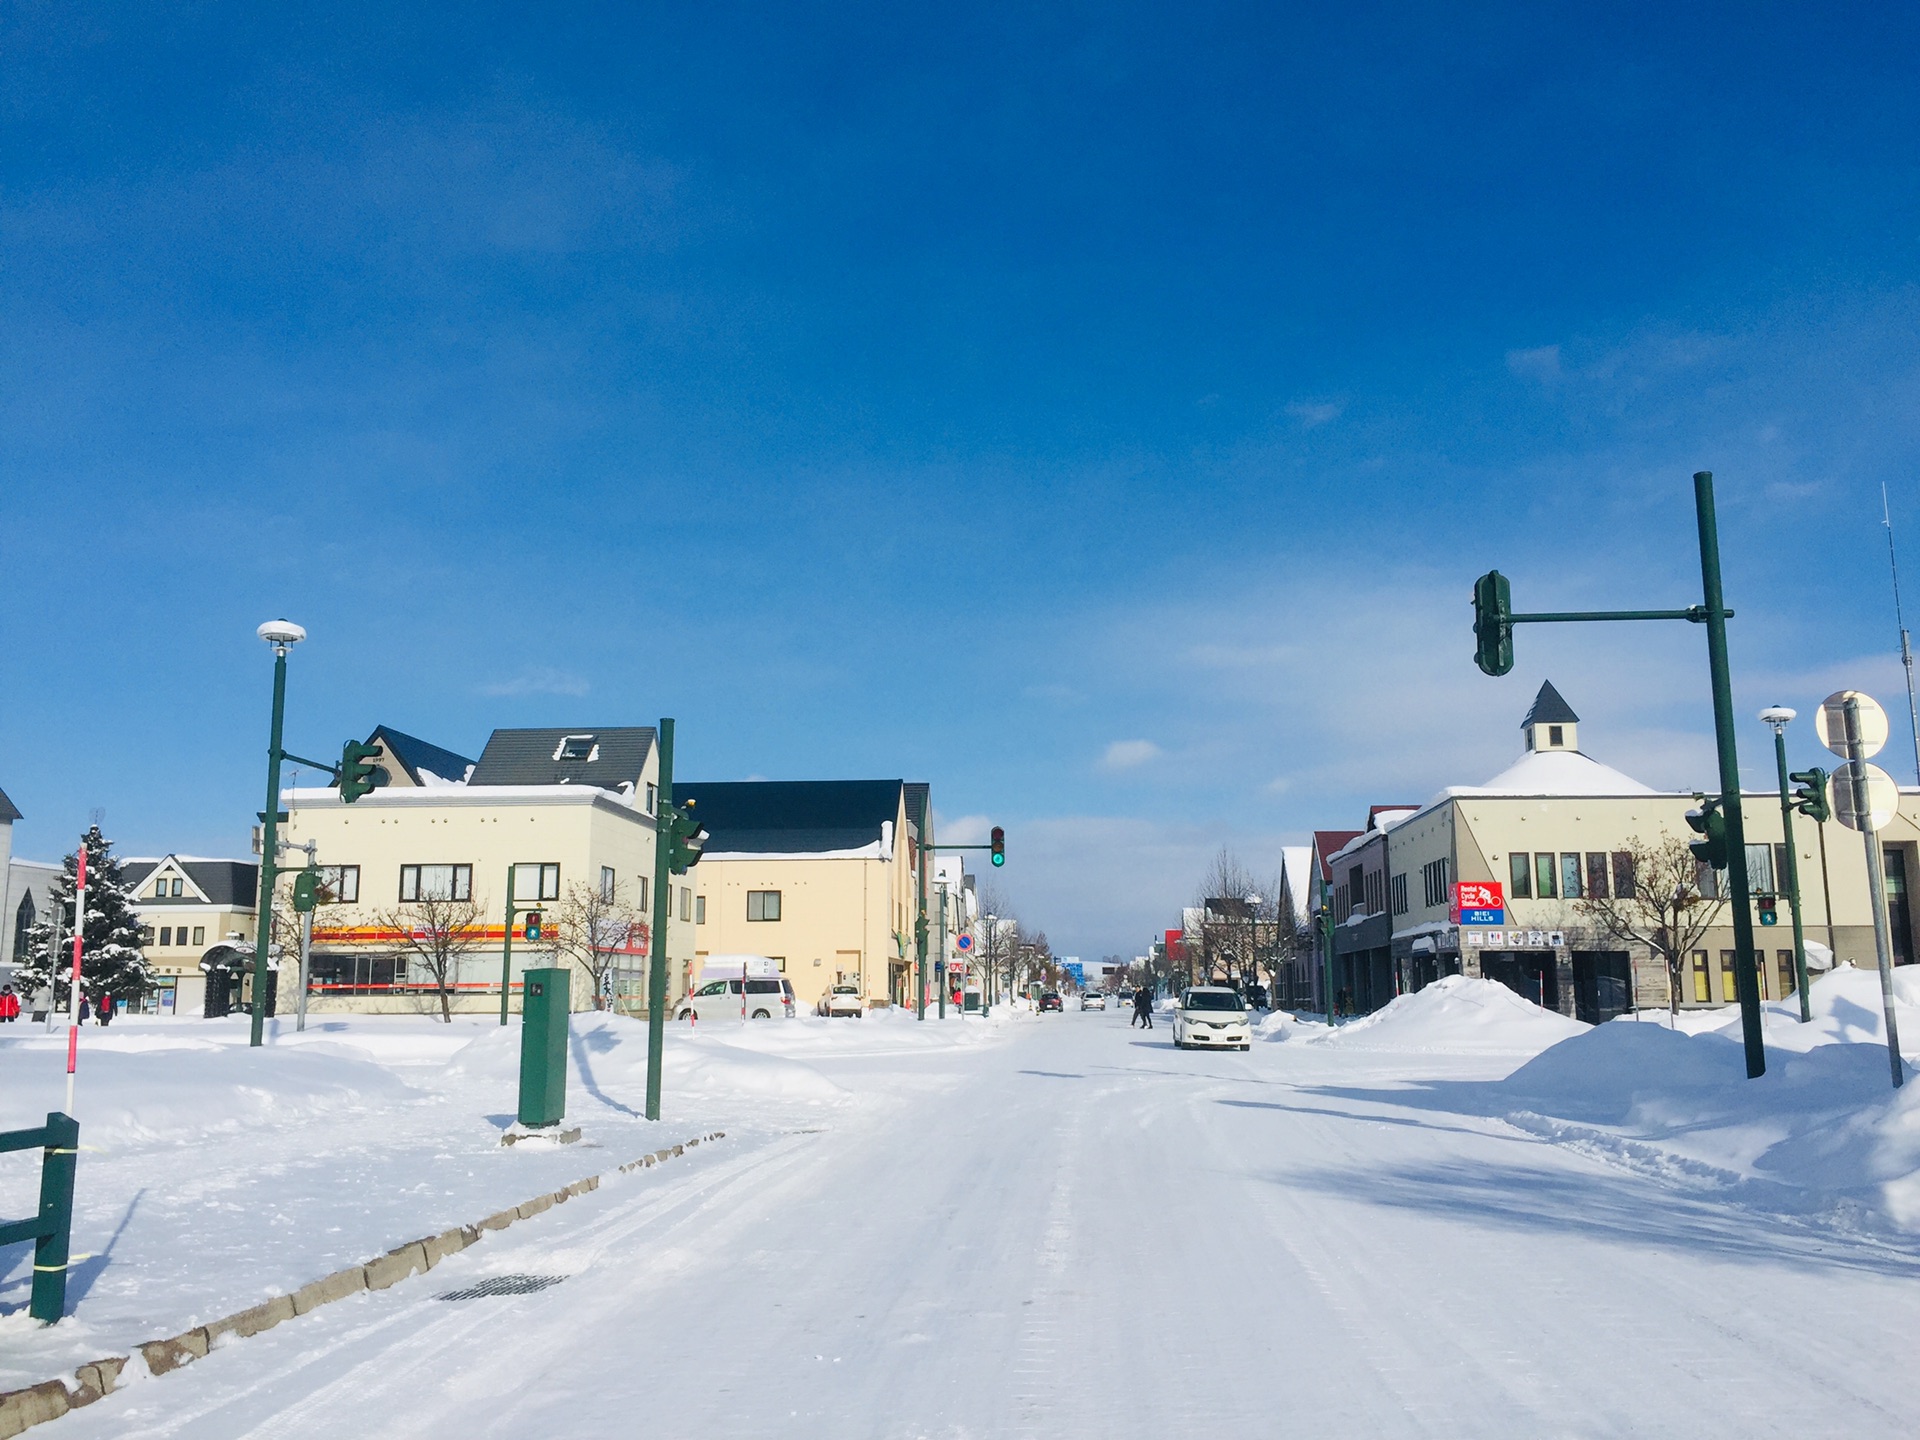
[(537, 682), (1311, 414), (1128, 754), (1541, 363)]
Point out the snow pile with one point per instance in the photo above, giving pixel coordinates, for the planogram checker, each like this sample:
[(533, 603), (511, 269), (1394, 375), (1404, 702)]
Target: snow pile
[(141, 1088), (1822, 1132), (1455, 1016)]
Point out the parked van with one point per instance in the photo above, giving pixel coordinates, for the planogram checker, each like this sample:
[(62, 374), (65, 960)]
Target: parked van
[(763, 998)]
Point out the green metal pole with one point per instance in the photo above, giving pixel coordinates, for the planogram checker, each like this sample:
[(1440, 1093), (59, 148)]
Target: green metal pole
[(48, 1299), (1854, 776), (662, 905), (940, 965), (920, 924), (506, 949), (269, 841), (1793, 875), (1326, 958), (1746, 976)]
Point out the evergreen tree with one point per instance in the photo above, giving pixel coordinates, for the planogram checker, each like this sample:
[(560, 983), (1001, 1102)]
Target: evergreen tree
[(111, 960)]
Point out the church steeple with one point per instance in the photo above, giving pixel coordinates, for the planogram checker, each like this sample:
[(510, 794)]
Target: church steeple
[(1551, 723)]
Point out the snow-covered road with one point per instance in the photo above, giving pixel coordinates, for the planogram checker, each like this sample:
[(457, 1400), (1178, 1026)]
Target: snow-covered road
[(1081, 1232)]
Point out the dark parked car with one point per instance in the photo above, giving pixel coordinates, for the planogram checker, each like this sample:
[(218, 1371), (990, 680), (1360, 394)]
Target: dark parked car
[(1051, 1001)]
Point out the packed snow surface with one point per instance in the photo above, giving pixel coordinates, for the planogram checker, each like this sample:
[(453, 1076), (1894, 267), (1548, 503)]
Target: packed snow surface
[(1461, 1217)]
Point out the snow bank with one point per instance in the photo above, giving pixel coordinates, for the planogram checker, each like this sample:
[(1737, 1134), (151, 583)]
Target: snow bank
[(1822, 1132), (1455, 1016)]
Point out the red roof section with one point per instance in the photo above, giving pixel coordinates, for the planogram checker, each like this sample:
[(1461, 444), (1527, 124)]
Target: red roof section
[(1325, 842)]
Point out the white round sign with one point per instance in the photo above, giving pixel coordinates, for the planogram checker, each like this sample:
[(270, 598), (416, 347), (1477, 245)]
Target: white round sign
[(1831, 723), (1882, 797)]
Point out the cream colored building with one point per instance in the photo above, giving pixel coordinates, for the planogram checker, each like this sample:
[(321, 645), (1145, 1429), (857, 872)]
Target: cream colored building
[(562, 808), (196, 919), (1550, 831), (820, 875)]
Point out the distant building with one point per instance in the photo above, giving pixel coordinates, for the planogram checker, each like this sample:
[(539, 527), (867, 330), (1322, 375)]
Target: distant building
[(196, 927), (822, 875)]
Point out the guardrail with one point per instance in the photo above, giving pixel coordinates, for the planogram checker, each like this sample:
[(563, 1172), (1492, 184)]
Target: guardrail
[(51, 1230)]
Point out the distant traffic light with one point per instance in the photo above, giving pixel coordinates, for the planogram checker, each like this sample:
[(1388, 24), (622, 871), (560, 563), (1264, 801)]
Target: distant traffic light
[(306, 890), (358, 774), (1810, 794), (533, 924), (686, 839), (1706, 820), (1769, 909), (999, 846), (1493, 623)]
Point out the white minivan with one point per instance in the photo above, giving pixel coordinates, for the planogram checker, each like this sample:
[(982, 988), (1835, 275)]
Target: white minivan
[(764, 998)]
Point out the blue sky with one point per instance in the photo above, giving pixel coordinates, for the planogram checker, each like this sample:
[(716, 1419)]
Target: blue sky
[(1098, 411)]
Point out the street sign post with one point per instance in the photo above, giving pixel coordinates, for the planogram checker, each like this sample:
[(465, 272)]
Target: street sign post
[(1865, 799)]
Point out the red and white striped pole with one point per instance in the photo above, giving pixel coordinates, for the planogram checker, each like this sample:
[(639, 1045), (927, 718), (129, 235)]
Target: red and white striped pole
[(73, 997)]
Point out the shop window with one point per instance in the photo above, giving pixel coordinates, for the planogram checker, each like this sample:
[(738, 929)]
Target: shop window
[(1701, 994), (1788, 978), (1520, 874), (763, 905), (1596, 875), (1623, 886), (1570, 888), (436, 882), (1543, 875), (1729, 986)]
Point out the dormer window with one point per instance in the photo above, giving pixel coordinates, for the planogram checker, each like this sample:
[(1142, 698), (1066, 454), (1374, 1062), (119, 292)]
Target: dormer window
[(577, 747), (1556, 736)]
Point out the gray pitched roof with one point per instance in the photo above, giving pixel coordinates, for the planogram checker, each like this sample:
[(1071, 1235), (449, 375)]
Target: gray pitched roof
[(578, 756), (919, 793), (417, 755), (1549, 708), (231, 883), (8, 812), (762, 817)]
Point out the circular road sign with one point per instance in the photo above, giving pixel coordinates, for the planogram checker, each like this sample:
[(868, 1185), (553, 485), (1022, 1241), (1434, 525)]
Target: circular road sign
[(1831, 723), (1882, 797), (963, 943)]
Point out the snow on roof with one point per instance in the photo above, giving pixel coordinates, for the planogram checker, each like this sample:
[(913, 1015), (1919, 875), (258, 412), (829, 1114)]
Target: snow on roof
[(1553, 772)]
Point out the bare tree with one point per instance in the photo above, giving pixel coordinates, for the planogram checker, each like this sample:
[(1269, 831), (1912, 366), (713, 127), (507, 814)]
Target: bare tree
[(1658, 902), (1239, 918), (595, 929), (438, 933)]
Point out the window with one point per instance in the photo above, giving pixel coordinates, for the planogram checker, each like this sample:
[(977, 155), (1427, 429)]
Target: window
[(160, 889), (1596, 875), (1729, 987), (1570, 877), (436, 882), (1433, 879), (644, 887), (200, 935), (179, 888), (763, 905), (653, 799), (607, 882), (166, 935), (1543, 875), (1709, 882), (1787, 976), (1700, 994), (1555, 735), (146, 938), (1760, 870), (1357, 888), (686, 904), (1520, 873), (1623, 886), (342, 882), (699, 909), (575, 747), (1400, 906), (535, 881), (712, 987)]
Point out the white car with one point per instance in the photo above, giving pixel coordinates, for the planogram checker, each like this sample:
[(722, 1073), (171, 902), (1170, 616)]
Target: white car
[(1093, 1000), (842, 1000), (764, 999), (1212, 1017)]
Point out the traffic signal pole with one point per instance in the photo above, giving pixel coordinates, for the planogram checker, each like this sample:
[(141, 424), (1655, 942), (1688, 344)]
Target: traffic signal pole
[(1493, 633), (1793, 876), (506, 948), (269, 855), (662, 905)]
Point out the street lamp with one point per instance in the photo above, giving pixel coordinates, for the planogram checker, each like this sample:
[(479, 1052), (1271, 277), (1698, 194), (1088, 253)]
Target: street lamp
[(990, 980), (282, 635), (1779, 717)]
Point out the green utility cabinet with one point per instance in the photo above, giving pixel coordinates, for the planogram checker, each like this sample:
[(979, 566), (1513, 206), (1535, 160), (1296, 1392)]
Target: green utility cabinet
[(544, 1009)]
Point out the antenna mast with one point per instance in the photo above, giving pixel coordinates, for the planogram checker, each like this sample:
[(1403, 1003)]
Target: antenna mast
[(1906, 645)]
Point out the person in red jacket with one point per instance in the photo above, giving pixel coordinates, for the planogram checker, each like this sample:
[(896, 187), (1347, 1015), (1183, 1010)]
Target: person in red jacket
[(9, 1004), (104, 1009)]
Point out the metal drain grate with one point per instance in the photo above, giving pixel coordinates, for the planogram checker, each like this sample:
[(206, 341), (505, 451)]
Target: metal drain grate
[(503, 1285)]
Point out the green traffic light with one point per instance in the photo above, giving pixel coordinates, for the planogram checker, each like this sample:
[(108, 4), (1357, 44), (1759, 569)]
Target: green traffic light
[(1493, 624)]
